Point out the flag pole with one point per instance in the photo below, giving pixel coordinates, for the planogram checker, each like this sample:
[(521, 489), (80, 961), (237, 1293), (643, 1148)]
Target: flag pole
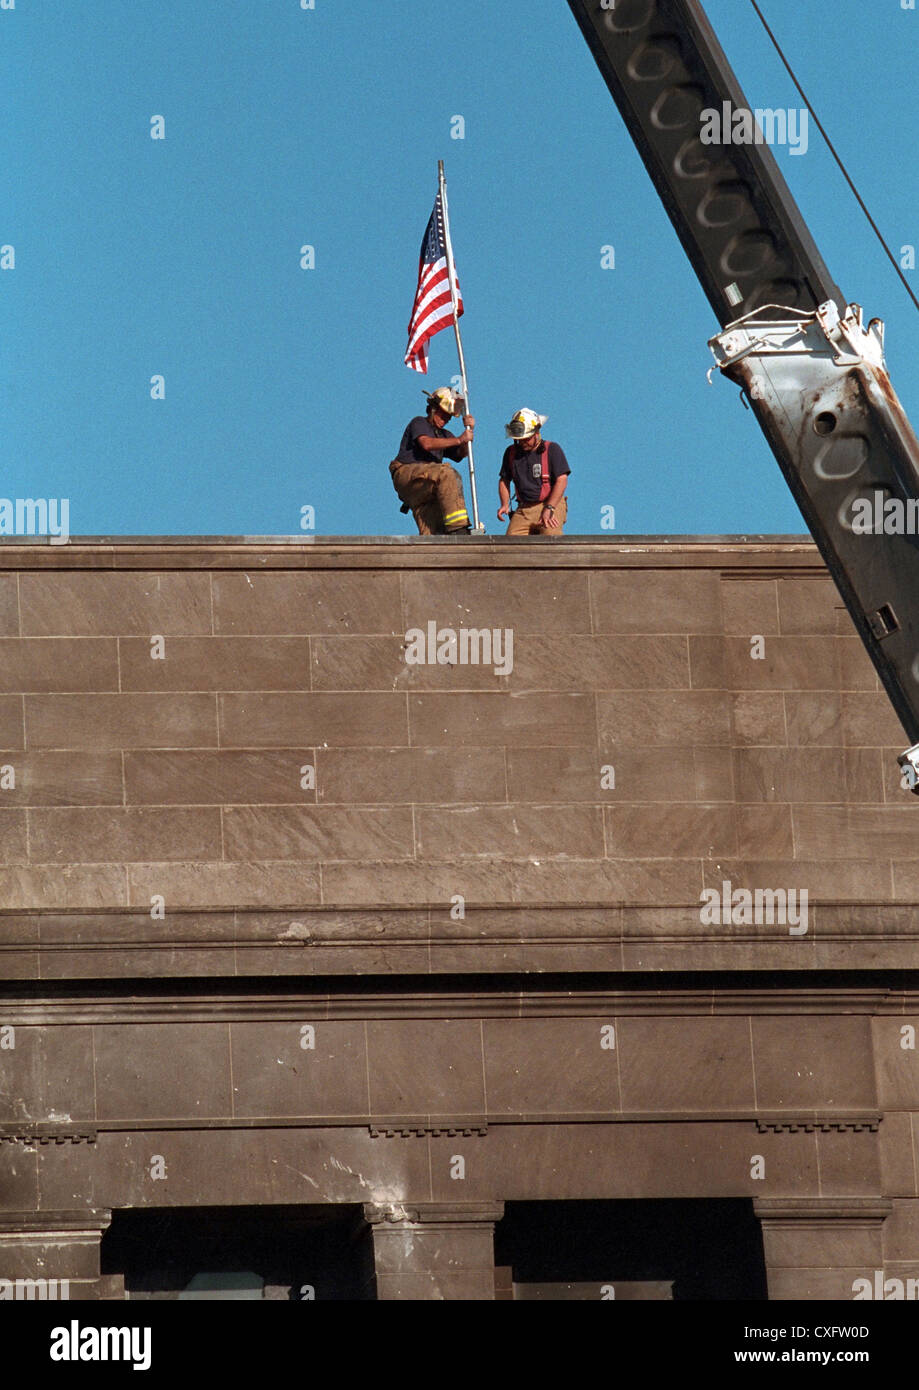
[(451, 272)]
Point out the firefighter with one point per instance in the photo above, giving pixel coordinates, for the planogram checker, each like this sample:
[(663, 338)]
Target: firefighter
[(539, 471), (426, 484)]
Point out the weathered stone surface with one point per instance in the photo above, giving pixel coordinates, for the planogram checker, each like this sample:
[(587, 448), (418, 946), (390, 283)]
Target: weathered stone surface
[(404, 776), (284, 720), (655, 601), (306, 602), (307, 1067), (810, 606), (162, 1071), (58, 663), (216, 663), (183, 777), (554, 1066), (665, 719), (800, 774), (671, 832), (87, 604), (62, 778), (318, 834), (310, 924), (496, 720), (750, 606), (120, 834), (539, 602), (9, 606), (425, 1067), (120, 721), (11, 721), (804, 1070), (510, 832), (759, 718)]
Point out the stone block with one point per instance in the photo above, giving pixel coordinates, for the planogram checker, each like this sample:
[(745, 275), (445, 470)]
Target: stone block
[(550, 1065), (99, 722), (279, 1069), (186, 777), (823, 1062), (551, 601), (809, 606), (285, 720), (750, 606), (293, 602), (655, 601), (217, 663), (317, 833), (431, 1066), (664, 719), (58, 663), (83, 603), (498, 720), (75, 835)]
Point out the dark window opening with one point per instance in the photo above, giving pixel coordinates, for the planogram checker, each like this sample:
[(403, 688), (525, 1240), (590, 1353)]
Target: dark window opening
[(705, 1249), (284, 1253)]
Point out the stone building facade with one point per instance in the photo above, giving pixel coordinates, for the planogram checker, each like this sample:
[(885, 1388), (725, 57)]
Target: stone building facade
[(328, 973)]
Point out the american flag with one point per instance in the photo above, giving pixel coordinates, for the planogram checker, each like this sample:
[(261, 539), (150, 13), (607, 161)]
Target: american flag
[(433, 307)]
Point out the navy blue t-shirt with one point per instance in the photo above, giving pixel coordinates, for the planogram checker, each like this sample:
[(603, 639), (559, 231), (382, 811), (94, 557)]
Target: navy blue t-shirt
[(524, 469), (410, 451)]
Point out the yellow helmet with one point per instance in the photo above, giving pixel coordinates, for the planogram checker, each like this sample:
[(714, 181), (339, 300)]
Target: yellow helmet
[(444, 399), (525, 423)]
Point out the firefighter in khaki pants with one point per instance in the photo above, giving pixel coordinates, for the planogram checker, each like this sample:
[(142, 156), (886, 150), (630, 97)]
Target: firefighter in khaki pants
[(539, 471)]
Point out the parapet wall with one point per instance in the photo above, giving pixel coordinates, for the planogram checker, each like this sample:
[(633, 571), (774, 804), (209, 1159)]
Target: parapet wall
[(222, 762)]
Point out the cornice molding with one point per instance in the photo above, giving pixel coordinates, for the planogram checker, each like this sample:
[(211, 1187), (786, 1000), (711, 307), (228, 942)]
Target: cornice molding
[(418, 940), (413, 1129), (303, 1006), (818, 1211), (825, 1123), (47, 1134), (438, 1126), (782, 556), (91, 1221)]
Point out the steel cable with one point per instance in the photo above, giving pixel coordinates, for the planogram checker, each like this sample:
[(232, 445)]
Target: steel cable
[(861, 202)]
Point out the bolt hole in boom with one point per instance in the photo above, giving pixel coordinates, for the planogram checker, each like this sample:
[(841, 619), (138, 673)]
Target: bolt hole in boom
[(748, 253), (825, 422), (842, 455), (628, 15), (678, 106), (655, 60)]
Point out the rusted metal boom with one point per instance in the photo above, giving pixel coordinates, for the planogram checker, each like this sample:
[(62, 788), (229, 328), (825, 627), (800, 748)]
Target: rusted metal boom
[(813, 371)]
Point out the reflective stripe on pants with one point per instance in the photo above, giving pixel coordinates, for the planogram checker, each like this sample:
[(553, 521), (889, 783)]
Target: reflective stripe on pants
[(434, 491)]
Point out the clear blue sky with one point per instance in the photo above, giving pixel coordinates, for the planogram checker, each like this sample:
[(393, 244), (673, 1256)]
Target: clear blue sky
[(286, 387)]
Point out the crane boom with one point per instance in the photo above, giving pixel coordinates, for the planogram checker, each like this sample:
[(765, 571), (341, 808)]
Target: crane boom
[(813, 371)]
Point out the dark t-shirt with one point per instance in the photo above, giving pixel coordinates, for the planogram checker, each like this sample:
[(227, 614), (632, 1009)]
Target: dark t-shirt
[(525, 470), (410, 451)]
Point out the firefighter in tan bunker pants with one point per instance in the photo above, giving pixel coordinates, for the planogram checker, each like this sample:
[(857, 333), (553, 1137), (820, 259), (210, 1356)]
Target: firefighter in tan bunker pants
[(426, 484), (539, 471)]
